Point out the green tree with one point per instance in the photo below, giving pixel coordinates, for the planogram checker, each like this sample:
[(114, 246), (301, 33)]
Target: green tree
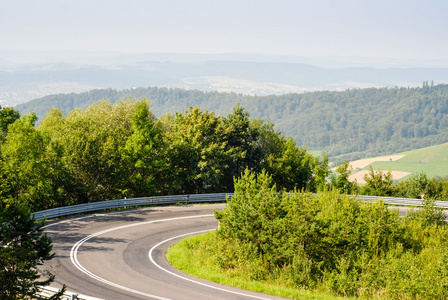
[(91, 142), (24, 246), (253, 215), (280, 226), (197, 152), (7, 116), (143, 153), (416, 186), (437, 188), (341, 181), (260, 146), (321, 173), (66, 188), (293, 167), (378, 183), (241, 135), (270, 143), (24, 167)]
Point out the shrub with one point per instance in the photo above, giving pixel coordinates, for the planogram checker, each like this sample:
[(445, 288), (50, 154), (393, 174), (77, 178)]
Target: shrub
[(333, 242)]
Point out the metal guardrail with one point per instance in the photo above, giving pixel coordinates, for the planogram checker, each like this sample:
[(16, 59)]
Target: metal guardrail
[(401, 201), (195, 198), (123, 203)]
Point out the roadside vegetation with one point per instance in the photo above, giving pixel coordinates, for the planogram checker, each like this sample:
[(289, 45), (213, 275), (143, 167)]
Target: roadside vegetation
[(327, 243), (112, 151)]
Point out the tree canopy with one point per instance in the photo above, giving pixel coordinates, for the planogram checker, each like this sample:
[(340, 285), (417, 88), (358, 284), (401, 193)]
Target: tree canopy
[(350, 124), (110, 151)]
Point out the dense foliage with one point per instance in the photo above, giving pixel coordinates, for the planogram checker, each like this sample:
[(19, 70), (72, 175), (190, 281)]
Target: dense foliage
[(24, 246), (346, 125), (330, 242), (8, 116), (109, 151)]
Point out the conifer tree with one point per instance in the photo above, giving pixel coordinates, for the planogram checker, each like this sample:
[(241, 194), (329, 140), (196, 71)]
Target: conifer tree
[(24, 246)]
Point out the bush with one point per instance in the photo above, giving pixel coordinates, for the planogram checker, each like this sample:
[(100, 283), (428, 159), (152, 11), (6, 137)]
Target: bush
[(333, 242)]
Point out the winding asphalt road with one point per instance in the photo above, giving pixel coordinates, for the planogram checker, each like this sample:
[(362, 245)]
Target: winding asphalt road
[(120, 255)]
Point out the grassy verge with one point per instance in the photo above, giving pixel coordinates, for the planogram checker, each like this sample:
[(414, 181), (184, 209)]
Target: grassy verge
[(204, 266)]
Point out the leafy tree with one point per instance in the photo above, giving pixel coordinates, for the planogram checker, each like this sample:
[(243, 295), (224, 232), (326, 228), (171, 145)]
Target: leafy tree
[(270, 143), (92, 140), (66, 189), (415, 186), (241, 135), (110, 151), (437, 188), (143, 153), (265, 148), (23, 165), (341, 181), (276, 229), (378, 183), (32, 170), (331, 241), (429, 214), (7, 116), (293, 167), (24, 246), (321, 173), (197, 152)]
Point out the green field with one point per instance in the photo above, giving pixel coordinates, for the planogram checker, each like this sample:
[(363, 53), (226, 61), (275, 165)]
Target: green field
[(317, 153), (431, 160)]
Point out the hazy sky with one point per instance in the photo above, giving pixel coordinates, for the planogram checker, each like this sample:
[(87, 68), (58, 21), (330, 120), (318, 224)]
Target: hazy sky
[(406, 29)]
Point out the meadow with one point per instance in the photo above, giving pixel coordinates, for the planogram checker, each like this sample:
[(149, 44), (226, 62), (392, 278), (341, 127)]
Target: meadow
[(433, 161)]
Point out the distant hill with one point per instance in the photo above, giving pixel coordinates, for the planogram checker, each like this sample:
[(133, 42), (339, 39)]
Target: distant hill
[(22, 83), (353, 124), (433, 161)]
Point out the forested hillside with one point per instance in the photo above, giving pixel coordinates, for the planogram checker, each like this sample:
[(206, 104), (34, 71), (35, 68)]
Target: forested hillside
[(346, 125)]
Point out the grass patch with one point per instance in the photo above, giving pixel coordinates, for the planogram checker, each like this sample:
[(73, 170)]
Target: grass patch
[(431, 160), (204, 265), (317, 153)]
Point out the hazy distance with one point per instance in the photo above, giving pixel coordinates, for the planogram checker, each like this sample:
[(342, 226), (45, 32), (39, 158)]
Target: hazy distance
[(380, 29), (65, 35)]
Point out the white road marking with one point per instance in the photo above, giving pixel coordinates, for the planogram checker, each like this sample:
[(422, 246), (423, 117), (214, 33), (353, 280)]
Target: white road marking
[(74, 254), (191, 280), (77, 264)]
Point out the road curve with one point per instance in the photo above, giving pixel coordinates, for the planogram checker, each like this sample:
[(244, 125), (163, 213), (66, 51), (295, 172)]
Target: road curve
[(120, 255)]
